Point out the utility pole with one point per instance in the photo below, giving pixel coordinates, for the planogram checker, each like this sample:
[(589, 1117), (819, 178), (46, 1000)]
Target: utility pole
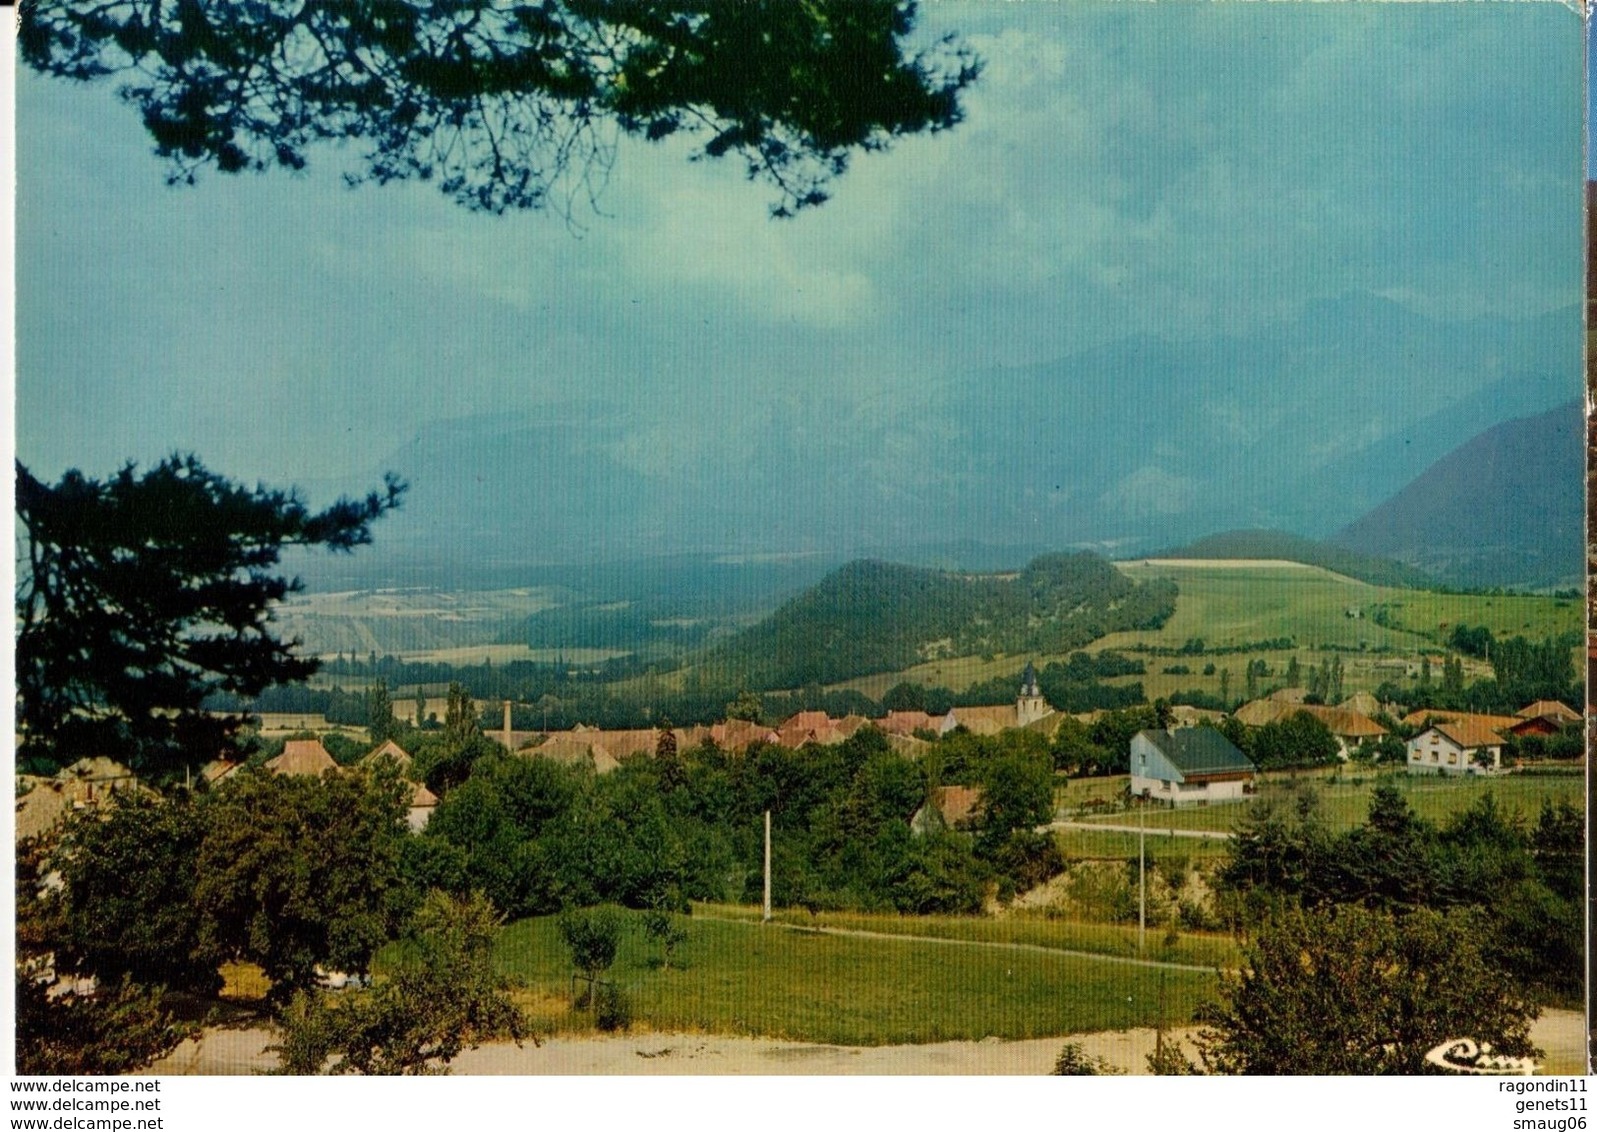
[(767, 916), (1142, 862)]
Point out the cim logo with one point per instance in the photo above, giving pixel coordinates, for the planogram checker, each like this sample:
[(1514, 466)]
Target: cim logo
[(1461, 1055)]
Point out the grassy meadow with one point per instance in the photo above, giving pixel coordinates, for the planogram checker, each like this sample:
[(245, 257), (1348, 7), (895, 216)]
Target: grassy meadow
[(1242, 603), (779, 981), (1344, 799)]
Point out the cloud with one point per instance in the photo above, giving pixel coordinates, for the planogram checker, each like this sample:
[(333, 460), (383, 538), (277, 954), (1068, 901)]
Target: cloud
[(1177, 171), (1150, 492)]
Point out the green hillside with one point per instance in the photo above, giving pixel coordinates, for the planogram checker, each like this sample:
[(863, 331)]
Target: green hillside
[(1295, 548), (874, 616), (1240, 611)]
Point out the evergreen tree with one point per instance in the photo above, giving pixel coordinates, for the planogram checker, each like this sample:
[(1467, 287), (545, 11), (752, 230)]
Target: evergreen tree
[(380, 721), (143, 595), (511, 106)]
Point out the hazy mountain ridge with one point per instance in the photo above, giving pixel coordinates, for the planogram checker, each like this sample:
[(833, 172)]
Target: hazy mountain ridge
[(1504, 509), (1302, 425)]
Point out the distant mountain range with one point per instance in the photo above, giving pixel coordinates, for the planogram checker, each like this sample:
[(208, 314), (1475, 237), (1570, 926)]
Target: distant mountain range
[(1303, 425), (1507, 508)]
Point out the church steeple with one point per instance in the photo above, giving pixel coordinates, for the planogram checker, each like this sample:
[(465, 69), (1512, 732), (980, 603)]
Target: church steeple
[(1029, 705)]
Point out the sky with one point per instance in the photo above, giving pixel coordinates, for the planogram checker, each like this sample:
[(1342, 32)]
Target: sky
[(1178, 170)]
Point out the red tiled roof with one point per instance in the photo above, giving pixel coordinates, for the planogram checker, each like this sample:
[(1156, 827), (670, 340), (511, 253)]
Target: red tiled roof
[(905, 722), (389, 749), (1469, 735), (1498, 723), (1339, 721), (1548, 709), (849, 724)]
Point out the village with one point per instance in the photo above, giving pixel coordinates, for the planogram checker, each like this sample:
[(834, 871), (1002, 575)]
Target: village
[(1175, 765), (1188, 766)]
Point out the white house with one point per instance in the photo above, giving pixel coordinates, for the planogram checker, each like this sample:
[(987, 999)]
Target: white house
[(1189, 766), (1456, 747)]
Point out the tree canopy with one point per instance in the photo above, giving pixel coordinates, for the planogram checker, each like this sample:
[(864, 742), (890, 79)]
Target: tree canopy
[(1353, 991), (143, 594), (511, 105)]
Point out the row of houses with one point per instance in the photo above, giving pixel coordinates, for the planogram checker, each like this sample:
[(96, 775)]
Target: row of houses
[(906, 730), (92, 782), (1472, 743), (1186, 766)]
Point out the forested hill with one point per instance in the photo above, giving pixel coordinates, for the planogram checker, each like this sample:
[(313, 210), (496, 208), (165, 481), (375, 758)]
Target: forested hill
[(871, 616), (1310, 552)]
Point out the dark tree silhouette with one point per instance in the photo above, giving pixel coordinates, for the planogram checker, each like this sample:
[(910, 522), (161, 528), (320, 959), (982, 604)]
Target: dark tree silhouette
[(143, 594), (510, 105)]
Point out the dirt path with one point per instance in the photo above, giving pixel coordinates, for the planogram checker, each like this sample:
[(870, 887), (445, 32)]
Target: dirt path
[(865, 933), (1560, 1033), (1158, 833), (235, 1052)]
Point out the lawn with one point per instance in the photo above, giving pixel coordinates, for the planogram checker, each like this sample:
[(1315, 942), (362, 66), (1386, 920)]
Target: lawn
[(1200, 949), (1344, 798), (775, 981), (1111, 845)]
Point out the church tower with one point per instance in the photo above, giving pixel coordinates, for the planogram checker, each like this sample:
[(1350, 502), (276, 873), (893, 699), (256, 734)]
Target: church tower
[(1030, 706)]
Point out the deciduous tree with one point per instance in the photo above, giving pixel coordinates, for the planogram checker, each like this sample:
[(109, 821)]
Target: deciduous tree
[(298, 872), (116, 1031), (446, 998), (1353, 991), (129, 872)]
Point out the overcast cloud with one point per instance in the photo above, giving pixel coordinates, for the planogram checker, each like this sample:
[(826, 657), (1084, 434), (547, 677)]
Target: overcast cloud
[(1166, 169)]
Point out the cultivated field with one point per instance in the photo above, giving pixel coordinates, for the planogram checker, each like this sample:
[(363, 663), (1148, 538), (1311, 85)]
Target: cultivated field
[(777, 981), (1232, 603), (408, 621)]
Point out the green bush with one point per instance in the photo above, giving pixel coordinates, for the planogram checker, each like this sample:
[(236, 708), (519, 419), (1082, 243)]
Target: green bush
[(613, 1010), (1073, 1061)]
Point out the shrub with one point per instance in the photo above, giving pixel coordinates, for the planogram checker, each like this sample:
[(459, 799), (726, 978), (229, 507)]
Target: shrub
[(613, 1010), (1073, 1061)]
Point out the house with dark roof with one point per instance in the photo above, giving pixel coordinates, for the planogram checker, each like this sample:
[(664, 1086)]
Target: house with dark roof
[(1189, 766)]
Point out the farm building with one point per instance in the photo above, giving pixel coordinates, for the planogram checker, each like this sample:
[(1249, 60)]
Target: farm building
[(1551, 710), (1348, 727), (420, 811), (1189, 766), (85, 784), (1426, 717), (1458, 747), (388, 749), (302, 756)]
